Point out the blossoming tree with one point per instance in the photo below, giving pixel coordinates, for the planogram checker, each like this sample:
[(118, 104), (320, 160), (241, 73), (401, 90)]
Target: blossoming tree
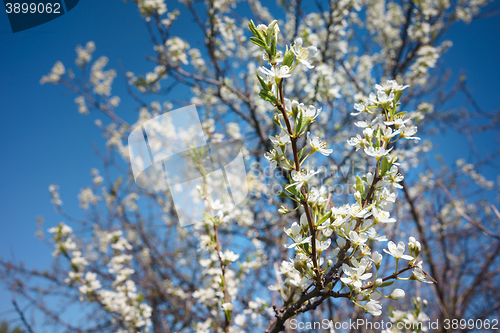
[(341, 222)]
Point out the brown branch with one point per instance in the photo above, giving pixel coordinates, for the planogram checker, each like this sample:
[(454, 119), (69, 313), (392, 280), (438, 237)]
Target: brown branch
[(293, 140), (464, 215), (21, 315), (426, 247)]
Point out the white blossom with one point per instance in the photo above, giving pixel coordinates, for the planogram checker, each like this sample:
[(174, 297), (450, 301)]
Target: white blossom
[(374, 308), (302, 54), (397, 251)]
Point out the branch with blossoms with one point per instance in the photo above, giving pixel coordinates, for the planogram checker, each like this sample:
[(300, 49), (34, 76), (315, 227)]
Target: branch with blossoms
[(352, 262), (221, 277), (123, 301)]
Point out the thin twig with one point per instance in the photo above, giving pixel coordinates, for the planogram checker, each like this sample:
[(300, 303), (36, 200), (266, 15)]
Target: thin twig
[(21, 315), (464, 215)]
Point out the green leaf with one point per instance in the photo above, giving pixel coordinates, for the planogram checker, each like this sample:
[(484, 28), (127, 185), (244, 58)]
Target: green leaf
[(270, 31), (274, 48), (257, 33), (292, 190), (300, 122), (393, 110), (268, 96), (306, 247), (282, 194), (258, 42), (253, 28), (229, 315), (289, 189), (386, 284), (400, 114), (385, 166), (360, 186), (325, 217), (263, 83), (397, 95), (302, 151), (264, 96), (288, 58)]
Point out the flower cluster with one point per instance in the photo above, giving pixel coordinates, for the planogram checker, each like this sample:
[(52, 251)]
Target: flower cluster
[(150, 7), (413, 320), (55, 74), (54, 194), (351, 228), (122, 300), (84, 54), (87, 197)]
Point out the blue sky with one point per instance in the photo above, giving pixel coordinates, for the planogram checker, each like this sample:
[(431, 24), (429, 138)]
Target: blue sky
[(44, 139)]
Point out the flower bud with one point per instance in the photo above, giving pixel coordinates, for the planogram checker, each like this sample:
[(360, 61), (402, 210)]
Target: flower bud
[(276, 119), (377, 259), (227, 306), (288, 58), (374, 308), (397, 294), (414, 247), (295, 108), (283, 210), (300, 265), (262, 28), (341, 242)]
